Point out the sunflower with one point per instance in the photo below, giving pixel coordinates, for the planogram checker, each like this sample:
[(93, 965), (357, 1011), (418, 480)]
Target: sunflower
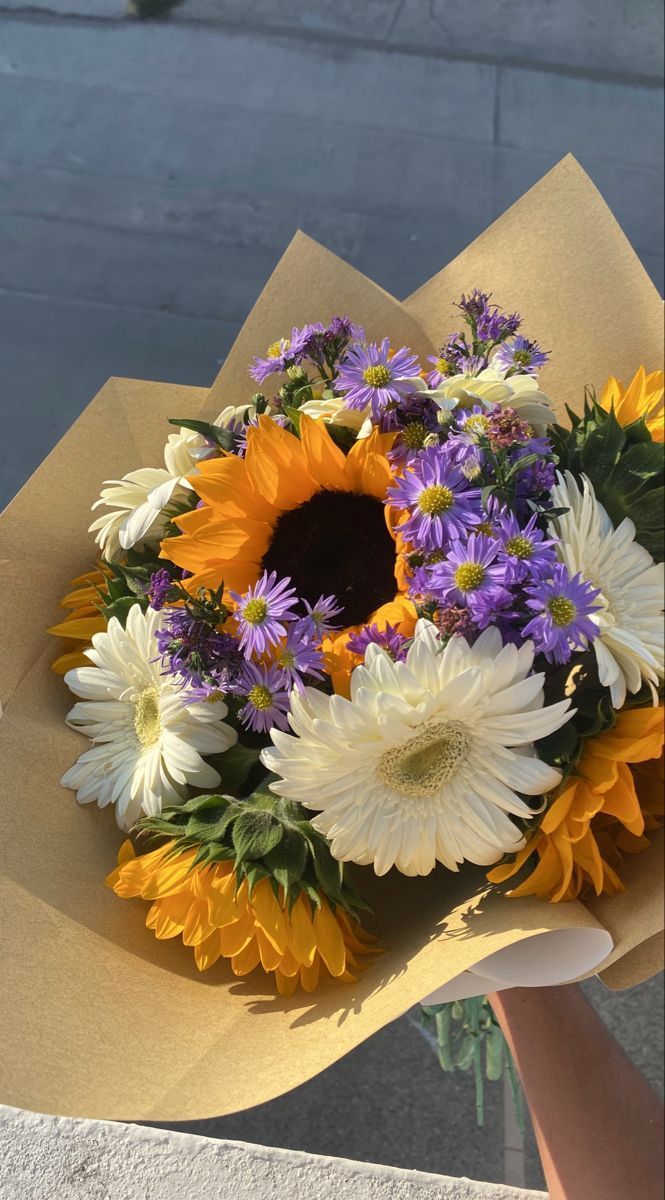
[(303, 943), (302, 508), (82, 621), (642, 398), (596, 813)]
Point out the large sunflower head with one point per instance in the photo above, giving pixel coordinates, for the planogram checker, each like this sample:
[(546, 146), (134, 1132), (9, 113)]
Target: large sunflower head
[(600, 811), (302, 508)]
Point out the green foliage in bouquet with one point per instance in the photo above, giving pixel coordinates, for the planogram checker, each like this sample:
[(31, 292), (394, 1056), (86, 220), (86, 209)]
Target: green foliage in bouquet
[(265, 836), (624, 464), (467, 1032)]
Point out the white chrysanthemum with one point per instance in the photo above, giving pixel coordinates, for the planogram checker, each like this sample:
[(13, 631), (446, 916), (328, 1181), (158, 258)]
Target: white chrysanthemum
[(489, 388), (333, 410), (629, 646), (148, 742), (134, 506), (426, 760)]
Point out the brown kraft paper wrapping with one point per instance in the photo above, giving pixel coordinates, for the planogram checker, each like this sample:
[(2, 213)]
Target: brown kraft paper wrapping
[(100, 1019)]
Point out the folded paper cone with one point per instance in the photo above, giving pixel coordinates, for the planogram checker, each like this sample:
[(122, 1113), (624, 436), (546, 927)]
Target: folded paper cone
[(101, 1020)]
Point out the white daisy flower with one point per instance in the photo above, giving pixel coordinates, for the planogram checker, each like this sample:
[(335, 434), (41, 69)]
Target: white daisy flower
[(489, 388), (427, 759), (629, 646), (147, 741), (134, 505)]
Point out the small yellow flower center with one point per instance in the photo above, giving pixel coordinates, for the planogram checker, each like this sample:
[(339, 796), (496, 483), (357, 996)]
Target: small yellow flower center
[(435, 499), (287, 659), (477, 423), (414, 435), (255, 611), (377, 376), (469, 576), (522, 358), (519, 547), (562, 610), (260, 696), (484, 527), (442, 366), (276, 349), (435, 556), (147, 719), (422, 764)]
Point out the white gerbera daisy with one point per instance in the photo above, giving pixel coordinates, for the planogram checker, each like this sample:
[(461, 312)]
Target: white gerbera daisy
[(147, 741), (135, 505), (629, 646), (489, 388), (427, 758)]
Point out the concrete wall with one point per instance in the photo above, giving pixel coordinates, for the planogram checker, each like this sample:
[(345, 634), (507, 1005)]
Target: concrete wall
[(51, 1158)]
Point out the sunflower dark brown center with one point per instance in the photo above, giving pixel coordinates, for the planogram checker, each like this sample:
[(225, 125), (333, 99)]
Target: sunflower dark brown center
[(336, 544)]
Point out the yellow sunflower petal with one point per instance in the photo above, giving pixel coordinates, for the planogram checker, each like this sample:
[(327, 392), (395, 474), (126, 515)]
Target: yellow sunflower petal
[(269, 915), (329, 938), (207, 952)]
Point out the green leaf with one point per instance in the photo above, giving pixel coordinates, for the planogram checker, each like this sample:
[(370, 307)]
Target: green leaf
[(286, 862), (329, 872), (120, 608), (255, 834), (219, 437), (235, 765), (602, 448)]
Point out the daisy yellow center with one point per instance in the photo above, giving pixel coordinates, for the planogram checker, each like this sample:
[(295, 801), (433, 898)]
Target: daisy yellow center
[(287, 659), (562, 610), (522, 358), (442, 366), (519, 547), (484, 527), (414, 435), (260, 697), (255, 611), (421, 765), (469, 575), (147, 719), (377, 376), (478, 423), (275, 349), (435, 499)]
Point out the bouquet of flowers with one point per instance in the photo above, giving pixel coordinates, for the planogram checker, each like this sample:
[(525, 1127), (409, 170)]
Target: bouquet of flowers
[(383, 612), (368, 674)]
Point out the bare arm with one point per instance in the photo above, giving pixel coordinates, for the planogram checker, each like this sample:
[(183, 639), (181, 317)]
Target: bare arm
[(598, 1123)]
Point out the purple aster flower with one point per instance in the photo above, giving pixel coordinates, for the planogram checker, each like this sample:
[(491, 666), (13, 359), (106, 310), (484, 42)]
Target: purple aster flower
[(469, 573), (520, 357), (281, 354), (196, 653), (297, 656), (535, 481), (320, 616), (158, 589), (388, 639), (525, 550), (370, 376), (262, 611), (440, 503), (266, 693), (487, 321), (414, 421), (563, 606)]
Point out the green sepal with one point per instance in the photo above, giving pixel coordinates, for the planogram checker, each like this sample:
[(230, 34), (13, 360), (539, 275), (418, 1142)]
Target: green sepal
[(223, 438), (265, 836)]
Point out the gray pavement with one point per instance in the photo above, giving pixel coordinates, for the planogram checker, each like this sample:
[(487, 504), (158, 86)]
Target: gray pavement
[(151, 174)]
